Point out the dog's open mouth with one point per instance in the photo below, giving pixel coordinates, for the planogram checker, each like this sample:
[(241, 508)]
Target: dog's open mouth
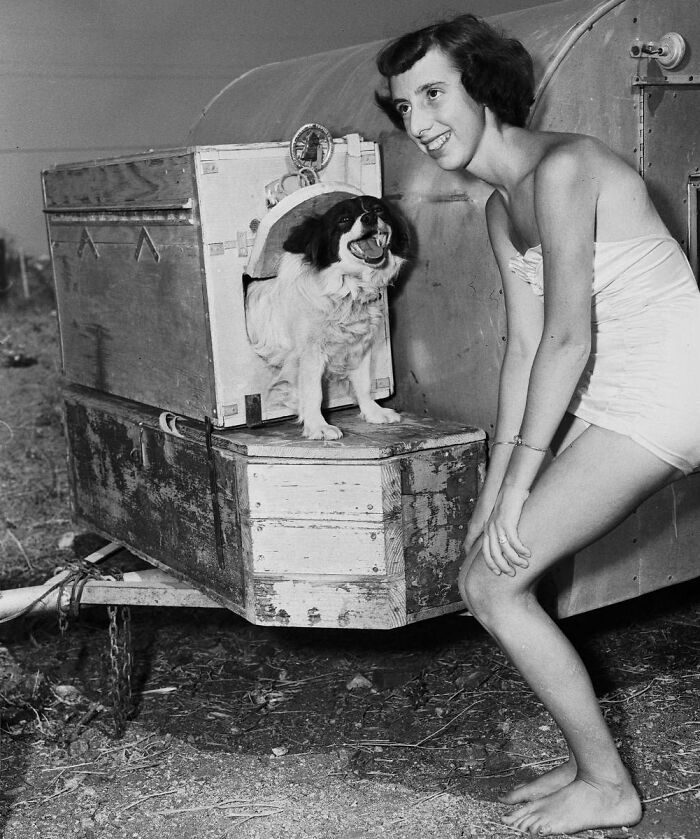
[(371, 248)]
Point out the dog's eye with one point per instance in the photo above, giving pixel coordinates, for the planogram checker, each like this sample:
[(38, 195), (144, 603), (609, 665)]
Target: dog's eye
[(345, 221)]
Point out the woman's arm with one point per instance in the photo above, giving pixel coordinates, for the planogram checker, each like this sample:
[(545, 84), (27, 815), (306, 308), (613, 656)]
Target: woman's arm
[(524, 329), (566, 191)]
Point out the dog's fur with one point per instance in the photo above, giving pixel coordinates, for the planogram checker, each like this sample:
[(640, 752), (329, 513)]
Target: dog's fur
[(320, 314)]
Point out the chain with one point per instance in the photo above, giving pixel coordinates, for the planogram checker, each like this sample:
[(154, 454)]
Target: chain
[(120, 659), (62, 621)]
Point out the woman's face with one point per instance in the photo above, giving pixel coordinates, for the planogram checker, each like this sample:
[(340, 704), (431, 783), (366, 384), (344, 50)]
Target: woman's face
[(438, 113)]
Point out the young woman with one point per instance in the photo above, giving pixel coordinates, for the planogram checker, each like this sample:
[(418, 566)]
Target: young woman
[(603, 318)]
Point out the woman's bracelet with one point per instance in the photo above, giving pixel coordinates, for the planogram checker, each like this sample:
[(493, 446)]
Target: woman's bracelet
[(516, 441)]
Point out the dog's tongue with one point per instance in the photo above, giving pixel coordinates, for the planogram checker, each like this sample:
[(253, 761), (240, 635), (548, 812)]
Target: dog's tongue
[(370, 248)]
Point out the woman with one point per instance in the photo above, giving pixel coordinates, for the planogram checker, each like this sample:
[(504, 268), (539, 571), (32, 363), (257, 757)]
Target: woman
[(603, 321)]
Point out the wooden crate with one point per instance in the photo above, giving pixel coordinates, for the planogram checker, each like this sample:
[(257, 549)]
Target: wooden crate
[(366, 531), (149, 253)]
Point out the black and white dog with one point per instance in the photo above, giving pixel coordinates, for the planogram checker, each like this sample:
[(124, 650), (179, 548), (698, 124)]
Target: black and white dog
[(320, 314)]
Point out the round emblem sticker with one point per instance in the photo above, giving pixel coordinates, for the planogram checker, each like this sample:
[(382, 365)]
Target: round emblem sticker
[(311, 147)]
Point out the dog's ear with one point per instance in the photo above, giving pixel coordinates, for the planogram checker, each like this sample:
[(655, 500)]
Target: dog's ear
[(400, 237), (310, 238), (302, 234)]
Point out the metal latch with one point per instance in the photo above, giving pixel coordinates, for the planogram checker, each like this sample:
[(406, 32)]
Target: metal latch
[(669, 51)]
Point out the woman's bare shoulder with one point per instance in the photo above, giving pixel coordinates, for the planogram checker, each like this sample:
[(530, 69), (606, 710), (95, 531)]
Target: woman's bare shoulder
[(584, 166), (580, 156)]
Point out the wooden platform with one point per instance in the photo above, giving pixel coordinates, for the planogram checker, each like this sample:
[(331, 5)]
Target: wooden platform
[(366, 531)]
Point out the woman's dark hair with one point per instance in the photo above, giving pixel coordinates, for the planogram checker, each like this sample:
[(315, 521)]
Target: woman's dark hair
[(496, 71)]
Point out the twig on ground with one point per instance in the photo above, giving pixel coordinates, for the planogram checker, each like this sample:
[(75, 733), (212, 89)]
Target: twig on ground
[(132, 745), (226, 805), (67, 768), (627, 698), (543, 762), (448, 724), (250, 816), (146, 798), (21, 548), (414, 805), (670, 794), (9, 428), (506, 827)]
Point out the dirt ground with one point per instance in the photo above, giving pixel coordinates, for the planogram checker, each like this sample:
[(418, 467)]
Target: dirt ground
[(249, 732)]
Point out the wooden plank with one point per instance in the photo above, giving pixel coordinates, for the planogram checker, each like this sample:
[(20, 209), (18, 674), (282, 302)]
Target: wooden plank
[(163, 179), (297, 489), (361, 440), (215, 595), (670, 535), (654, 547), (150, 491), (341, 603), (439, 490), (106, 341), (325, 547)]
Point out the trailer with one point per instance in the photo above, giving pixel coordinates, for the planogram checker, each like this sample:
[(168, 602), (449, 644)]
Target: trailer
[(173, 453)]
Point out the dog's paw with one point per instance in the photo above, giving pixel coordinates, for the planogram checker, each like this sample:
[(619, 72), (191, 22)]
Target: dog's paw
[(322, 432), (376, 414)]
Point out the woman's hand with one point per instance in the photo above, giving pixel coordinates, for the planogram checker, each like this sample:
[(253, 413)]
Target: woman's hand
[(475, 530), (501, 545)]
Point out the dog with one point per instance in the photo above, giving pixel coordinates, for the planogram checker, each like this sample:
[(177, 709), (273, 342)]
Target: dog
[(319, 316)]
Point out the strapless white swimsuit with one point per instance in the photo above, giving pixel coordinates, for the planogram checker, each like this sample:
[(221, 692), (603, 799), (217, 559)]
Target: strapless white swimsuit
[(642, 378)]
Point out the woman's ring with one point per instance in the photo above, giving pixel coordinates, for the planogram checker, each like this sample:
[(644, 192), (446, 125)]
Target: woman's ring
[(502, 539)]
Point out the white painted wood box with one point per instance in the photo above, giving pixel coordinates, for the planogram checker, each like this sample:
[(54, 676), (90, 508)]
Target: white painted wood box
[(363, 532), (149, 254)]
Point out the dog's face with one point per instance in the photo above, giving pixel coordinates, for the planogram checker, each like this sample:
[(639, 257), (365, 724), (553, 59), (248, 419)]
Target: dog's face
[(358, 233)]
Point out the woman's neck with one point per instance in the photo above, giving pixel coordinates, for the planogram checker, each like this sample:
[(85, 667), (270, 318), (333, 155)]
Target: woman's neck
[(506, 155)]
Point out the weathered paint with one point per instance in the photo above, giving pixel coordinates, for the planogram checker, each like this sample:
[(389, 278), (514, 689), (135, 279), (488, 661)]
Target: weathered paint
[(438, 489), (151, 492)]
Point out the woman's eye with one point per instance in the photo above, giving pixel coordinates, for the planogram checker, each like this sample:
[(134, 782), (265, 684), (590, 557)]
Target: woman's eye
[(433, 93), (402, 109)]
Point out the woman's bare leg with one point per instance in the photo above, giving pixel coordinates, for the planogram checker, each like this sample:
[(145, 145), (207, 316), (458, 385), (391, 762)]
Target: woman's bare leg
[(563, 774), (588, 488)]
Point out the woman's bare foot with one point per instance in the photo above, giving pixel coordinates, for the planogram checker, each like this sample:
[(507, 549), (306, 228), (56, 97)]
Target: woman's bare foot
[(582, 805), (555, 779)]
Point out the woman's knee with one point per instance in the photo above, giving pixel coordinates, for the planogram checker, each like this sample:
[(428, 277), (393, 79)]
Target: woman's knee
[(476, 589), (489, 596)]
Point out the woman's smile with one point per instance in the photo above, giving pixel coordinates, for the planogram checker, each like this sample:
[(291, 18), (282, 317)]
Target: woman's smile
[(435, 145)]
